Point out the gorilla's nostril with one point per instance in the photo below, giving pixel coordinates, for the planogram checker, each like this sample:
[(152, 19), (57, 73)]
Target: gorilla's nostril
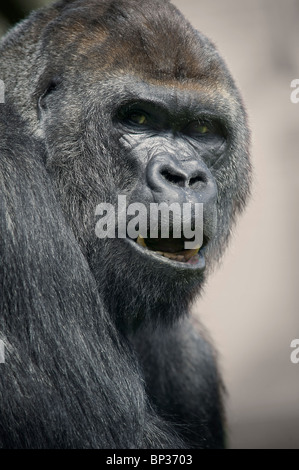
[(176, 179), (197, 180)]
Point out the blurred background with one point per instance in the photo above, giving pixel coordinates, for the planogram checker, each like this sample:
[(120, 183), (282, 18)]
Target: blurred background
[(251, 303)]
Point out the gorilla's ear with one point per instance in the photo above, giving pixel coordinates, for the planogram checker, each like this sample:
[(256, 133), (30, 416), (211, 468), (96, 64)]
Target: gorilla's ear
[(45, 92)]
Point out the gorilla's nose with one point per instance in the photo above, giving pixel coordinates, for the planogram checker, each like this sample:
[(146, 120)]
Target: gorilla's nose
[(173, 180)]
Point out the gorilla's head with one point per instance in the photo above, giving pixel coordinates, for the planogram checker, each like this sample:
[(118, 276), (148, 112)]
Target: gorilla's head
[(128, 99)]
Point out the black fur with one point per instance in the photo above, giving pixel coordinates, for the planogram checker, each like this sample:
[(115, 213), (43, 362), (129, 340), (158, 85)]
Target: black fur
[(100, 349)]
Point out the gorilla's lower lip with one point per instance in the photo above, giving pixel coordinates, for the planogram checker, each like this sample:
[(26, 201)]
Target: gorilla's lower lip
[(185, 259)]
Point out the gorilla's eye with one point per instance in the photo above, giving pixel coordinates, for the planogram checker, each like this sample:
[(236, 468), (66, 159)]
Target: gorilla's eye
[(138, 118), (202, 129), (198, 127)]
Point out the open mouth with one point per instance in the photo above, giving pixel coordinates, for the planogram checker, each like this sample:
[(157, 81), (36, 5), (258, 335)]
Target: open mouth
[(171, 250)]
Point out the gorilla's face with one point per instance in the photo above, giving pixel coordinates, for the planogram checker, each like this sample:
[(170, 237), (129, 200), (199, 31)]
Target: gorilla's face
[(174, 144), (154, 126)]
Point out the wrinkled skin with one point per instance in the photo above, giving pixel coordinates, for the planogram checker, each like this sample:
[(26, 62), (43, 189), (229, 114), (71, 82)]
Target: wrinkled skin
[(103, 99)]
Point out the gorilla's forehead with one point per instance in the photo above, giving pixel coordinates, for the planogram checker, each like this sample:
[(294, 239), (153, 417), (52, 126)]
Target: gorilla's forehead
[(152, 37)]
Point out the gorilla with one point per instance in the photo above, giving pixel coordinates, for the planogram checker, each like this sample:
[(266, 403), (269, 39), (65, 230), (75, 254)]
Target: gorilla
[(106, 98)]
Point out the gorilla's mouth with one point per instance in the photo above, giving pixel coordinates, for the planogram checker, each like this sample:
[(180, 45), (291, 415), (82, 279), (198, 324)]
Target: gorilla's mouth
[(171, 250)]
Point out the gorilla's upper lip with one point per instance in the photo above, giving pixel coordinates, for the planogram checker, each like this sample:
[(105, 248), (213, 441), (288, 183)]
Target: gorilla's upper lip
[(171, 251)]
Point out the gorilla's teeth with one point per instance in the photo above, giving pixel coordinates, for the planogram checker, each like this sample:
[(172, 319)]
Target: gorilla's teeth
[(185, 255), (141, 242), (172, 256)]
